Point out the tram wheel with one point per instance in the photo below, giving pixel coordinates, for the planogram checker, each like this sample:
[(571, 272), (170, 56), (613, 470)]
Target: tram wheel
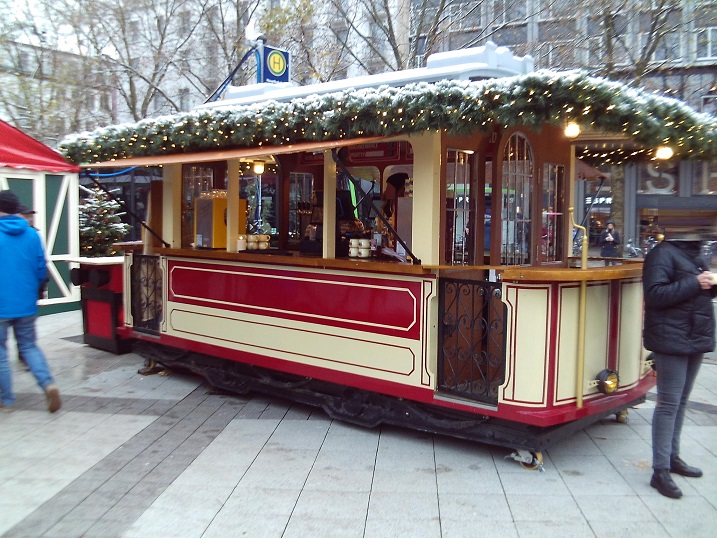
[(536, 464), (621, 416)]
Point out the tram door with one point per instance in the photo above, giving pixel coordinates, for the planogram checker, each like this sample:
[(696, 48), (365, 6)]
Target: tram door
[(471, 333), (472, 339)]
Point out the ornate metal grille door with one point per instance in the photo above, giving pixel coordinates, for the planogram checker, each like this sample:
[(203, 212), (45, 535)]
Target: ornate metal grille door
[(472, 339), (146, 293)]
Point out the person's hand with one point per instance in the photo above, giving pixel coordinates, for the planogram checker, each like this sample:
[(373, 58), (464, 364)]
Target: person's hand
[(705, 280)]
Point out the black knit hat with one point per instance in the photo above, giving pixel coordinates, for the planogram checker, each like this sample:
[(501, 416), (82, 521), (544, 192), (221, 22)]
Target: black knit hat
[(9, 202)]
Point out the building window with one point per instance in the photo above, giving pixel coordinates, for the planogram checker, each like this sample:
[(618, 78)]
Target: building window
[(158, 102), (105, 103), (705, 178), (557, 9), (709, 104), (515, 201), (658, 178), (509, 11), (464, 15), (184, 99), (558, 54), (707, 43)]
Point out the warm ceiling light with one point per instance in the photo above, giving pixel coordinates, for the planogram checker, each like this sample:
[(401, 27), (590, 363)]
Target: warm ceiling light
[(258, 167), (572, 130), (663, 153)]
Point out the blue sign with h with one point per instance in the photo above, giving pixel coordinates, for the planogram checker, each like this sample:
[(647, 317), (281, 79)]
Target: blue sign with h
[(276, 65)]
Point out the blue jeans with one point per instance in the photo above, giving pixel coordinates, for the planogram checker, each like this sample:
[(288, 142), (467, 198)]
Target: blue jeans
[(676, 376), (24, 329)]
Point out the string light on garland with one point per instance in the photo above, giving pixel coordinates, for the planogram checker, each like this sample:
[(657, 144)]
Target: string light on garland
[(450, 106)]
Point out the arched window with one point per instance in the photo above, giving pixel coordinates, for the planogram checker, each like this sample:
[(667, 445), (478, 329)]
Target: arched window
[(516, 202)]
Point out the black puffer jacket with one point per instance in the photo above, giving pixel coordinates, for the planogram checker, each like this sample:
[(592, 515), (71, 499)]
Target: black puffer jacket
[(679, 316)]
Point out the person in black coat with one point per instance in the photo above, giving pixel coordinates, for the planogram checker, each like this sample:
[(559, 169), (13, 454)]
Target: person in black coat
[(609, 240), (679, 327)]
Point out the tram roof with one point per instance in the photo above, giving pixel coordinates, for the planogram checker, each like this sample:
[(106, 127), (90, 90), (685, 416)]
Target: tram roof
[(476, 63), (234, 153), (609, 108)]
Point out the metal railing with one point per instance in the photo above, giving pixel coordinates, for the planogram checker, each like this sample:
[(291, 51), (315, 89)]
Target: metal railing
[(146, 293)]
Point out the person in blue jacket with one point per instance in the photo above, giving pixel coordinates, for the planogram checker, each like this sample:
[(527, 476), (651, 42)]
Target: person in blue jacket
[(22, 272)]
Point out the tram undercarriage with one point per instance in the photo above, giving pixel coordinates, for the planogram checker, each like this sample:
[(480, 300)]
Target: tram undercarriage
[(370, 409)]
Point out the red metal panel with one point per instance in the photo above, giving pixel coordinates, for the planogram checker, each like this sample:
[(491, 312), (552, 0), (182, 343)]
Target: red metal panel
[(380, 306)]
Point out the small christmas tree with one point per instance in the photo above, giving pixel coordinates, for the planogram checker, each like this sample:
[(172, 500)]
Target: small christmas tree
[(100, 224)]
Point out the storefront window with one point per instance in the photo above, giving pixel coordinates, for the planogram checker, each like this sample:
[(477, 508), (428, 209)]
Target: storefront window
[(658, 178), (705, 178)]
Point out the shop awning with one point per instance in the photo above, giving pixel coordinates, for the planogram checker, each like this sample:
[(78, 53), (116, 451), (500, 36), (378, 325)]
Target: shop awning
[(237, 153), (19, 150), (585, 171)]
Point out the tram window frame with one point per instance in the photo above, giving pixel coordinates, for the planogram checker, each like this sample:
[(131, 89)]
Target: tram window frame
[(459, 210), (196, 180), (301, 191), (552, 212), (516, 210)]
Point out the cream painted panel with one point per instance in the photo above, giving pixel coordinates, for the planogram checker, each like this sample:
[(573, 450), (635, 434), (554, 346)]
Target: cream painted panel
[(597, 332), (566, 368), (597, 319), (528, 345), (630, 350), (172, 204), (393, 359), (426, 196)]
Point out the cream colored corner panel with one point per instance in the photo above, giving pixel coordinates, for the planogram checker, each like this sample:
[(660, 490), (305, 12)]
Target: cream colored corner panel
[(630, 350), (528, 348), (597, 319)]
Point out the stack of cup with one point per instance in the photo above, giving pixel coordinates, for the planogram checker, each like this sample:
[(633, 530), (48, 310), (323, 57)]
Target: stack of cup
[(353, 248), (258, 241), (241, 243), (263, 241), (364, 248)]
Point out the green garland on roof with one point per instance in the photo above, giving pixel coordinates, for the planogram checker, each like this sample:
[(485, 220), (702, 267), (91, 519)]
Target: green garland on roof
[(454, 106)]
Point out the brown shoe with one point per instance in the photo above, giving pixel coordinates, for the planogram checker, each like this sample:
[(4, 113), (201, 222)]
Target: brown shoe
[(53, 397)]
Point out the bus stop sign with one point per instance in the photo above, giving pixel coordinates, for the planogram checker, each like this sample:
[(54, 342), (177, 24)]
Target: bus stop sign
[(276, 65)]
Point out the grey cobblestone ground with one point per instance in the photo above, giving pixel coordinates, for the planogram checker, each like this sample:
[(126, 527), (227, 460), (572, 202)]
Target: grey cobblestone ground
[(166, 455)]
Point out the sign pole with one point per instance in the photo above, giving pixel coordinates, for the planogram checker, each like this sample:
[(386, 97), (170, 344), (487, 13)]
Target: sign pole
[(260, 42)]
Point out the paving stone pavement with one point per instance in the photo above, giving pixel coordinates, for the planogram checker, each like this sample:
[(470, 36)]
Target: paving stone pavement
[(166, 455)]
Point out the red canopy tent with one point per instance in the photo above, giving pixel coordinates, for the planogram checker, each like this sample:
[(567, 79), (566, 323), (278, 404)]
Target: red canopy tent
[(18, 150)]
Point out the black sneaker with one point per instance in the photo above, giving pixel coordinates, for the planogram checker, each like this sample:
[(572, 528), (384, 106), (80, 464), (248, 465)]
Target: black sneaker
[(662, 482), (678, 466)]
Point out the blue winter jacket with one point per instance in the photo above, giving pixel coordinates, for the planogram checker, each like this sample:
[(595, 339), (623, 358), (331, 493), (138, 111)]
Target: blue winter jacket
[(22, 267)]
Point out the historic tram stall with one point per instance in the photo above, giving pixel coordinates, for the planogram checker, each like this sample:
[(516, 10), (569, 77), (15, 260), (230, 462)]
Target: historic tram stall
[(396, 249)]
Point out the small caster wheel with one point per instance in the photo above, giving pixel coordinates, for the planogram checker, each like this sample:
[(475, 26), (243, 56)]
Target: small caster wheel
[(528, 460), (621, 417), (535, 464)]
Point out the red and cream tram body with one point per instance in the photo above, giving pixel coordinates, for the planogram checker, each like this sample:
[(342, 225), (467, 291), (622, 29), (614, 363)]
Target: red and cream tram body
[(277, 270)]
